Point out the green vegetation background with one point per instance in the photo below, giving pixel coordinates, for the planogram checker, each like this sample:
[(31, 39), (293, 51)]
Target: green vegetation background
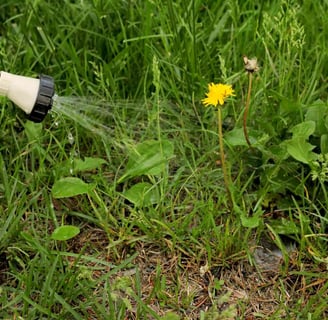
[(148, 63)]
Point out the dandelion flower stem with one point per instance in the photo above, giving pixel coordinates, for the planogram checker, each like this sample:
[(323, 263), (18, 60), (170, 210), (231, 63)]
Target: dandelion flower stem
[(223, 164), (248, 99), (216, 96)]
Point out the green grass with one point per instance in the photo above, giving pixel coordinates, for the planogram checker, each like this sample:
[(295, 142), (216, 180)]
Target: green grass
[(161, 251)]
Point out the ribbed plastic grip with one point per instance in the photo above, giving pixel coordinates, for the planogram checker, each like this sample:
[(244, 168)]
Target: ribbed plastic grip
[(43, 101)]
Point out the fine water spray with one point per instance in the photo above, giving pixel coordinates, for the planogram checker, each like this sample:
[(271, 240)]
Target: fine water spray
[(33, 95), (36, 97)]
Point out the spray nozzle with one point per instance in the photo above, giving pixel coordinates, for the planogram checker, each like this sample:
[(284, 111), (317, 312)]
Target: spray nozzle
[(33, 96)]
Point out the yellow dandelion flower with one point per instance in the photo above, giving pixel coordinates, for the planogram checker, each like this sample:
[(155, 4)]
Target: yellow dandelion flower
[(217, 94)]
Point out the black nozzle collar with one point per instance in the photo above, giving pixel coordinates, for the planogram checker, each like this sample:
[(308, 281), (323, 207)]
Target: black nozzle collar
[(43, 101)]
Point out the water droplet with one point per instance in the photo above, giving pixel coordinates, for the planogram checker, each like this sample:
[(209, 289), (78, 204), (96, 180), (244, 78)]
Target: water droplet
[(70, 138)]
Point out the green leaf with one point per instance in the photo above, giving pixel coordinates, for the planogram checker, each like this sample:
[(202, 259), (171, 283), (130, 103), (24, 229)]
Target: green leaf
[(324, 144), (318, 113), (142, 194), (249, 221), (149, 157), (303, 130), (64, 233), (70, 187), (300, 150), (326, 123), (284, 226), (235, 137), (88, 164), (298, 147)]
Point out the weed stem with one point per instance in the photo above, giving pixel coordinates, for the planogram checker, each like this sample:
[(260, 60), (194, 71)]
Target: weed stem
[(222, 156), (248, 99)]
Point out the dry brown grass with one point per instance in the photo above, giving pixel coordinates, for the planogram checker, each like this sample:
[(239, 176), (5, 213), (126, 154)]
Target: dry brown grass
[(173, 282)]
